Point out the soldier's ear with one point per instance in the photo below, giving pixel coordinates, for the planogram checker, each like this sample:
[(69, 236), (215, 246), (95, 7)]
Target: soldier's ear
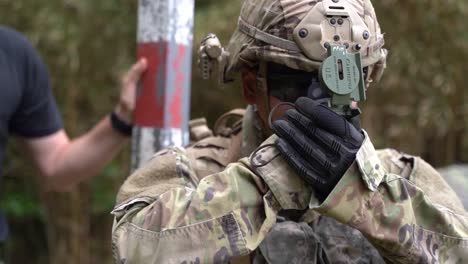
[(249, 85)]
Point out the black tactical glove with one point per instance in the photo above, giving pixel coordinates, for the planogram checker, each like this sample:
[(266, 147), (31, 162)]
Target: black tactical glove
[(318, 143)]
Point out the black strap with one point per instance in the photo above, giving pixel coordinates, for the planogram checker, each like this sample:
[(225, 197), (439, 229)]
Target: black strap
[(120, 126)]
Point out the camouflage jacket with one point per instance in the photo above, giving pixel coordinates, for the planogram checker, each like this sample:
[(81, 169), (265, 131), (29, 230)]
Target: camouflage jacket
[(198, 205)]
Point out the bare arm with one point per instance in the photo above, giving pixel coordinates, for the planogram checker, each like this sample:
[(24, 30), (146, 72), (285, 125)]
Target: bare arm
[(64, 163)]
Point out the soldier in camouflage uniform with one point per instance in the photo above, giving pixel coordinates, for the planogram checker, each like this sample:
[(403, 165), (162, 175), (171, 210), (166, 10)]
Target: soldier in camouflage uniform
[(315, 191)]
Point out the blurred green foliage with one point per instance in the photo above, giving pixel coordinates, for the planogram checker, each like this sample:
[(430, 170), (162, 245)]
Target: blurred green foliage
[(420, 106), (86, 45)]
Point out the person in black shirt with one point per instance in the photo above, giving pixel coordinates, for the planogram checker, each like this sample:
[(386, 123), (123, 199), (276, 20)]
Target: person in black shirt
[(28, 110)]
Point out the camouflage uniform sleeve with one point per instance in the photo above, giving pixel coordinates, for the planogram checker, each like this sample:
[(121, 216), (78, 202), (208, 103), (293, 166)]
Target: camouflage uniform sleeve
[(160, 219), (395, 214)]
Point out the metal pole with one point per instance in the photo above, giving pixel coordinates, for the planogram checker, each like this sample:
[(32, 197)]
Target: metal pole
[(165, 33)]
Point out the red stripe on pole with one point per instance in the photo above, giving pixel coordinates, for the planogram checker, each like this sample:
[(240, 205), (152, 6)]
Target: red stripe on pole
[(165, 33), (176, 100), (149, 110)]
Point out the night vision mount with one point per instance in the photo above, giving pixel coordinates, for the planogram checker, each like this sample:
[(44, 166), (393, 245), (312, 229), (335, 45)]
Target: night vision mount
[(213, 59)]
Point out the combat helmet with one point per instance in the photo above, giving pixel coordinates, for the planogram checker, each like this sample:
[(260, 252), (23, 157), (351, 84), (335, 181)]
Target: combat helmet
[(296, 34)]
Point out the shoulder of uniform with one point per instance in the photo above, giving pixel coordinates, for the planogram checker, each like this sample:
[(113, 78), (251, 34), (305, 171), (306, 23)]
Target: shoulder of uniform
[(227, 124), (403, 164), (396, 162), (227, 128), (434, 185), (214, 151), (199, 129), (209, 152), (167, 169), (212, 154), (406, 165), (423, 175)]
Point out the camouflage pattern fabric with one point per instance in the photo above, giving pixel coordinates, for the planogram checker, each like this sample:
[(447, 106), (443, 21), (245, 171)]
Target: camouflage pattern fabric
[(279, 18), (291, 242), (421, 174), (196, 205), (322, 241)]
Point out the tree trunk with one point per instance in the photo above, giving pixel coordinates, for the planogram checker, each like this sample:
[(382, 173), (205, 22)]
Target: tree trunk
[(68, 214), (68, 224)]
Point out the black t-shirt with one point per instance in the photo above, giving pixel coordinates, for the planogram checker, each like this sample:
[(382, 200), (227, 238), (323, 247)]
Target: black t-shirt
[(27, 106)]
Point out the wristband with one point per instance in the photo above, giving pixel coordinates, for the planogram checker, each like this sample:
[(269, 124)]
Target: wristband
[(120, 126)]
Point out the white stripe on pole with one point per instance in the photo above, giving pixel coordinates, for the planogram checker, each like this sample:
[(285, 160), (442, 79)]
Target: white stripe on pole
[(165, 21), (165, 38)]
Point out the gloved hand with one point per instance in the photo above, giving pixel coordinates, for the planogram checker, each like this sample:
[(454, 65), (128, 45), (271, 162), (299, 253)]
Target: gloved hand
[(318, 143)]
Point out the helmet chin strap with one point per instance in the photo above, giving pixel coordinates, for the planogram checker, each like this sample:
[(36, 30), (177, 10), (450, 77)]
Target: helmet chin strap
[(272, 112)]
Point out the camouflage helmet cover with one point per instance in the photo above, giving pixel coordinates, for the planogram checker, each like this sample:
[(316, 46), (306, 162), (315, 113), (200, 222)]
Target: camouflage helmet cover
[(294, 33)]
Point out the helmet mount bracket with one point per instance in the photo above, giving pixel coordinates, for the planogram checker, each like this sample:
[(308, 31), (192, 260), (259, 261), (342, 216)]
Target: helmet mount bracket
[(330, 23)]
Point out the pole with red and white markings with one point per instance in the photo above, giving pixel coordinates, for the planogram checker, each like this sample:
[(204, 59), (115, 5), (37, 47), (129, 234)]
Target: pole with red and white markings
[(165, 33)]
